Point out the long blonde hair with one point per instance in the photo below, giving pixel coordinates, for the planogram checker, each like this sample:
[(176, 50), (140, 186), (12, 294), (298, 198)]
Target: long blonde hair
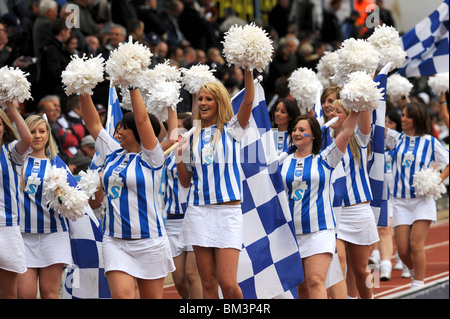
[(32, 122), (9, 133), (224, 109)]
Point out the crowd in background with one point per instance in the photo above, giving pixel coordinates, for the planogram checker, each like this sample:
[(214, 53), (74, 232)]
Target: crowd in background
[(35, 37)]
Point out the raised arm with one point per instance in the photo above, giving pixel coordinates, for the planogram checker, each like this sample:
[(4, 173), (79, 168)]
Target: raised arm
[(143, 124), (90, 115), (347, 130), (364, 123), (245, 109), (24, 132), (172, 130)]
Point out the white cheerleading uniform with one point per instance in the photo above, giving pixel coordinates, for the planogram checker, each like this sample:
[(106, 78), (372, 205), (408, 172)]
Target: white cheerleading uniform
[(411, 154), (216, 166), (307, 182), (37, 217), (216, 178), (131, 182)]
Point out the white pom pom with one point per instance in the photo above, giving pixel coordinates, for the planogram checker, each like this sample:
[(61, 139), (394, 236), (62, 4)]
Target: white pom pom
[(361, 93), (439, 83), (197, 75), (327, 66), (247, 47), (82, 75), (387, 41), (427, 182), (303, 85), (62, 198), (355, 55), (89, 182), (13, 85), (127, 62), (397, 86), (165, 72), (161, 89)]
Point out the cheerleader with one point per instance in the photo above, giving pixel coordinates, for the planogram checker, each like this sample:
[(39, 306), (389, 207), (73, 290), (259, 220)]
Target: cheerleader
[(44, 231), (357, 227), (286, 111), (135, 244), (307, 179), (213, 222), (12, 154), (414, 149), (185, 277)]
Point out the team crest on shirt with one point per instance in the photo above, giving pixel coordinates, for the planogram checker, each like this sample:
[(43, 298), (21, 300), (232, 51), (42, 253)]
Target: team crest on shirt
[(407, 160), (298, 190), (115, 185), (32, 184)]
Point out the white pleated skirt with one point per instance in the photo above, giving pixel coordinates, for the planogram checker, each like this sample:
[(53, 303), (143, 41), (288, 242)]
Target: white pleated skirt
[(12, 250), (408, 210), (43, 250)]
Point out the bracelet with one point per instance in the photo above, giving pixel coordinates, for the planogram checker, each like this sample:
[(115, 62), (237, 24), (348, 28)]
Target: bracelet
[(130, 88), (443, 103)]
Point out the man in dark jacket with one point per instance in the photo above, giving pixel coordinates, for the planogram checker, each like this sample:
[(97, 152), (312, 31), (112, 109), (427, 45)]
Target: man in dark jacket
[(53, 61)]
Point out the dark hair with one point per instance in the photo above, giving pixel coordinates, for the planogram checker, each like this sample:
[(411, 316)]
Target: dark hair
[(128, 122), (291, 108), (396, 118), (315, 129), (58, 25), (418, 112), (187, 120)]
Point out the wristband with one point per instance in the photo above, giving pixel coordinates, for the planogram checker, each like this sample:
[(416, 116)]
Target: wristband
[(443, 103)]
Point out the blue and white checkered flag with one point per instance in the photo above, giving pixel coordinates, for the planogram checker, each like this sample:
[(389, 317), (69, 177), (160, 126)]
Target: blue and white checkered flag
[(113, 117), (376, 165), (86, 278), (270, 261), (427, 45)]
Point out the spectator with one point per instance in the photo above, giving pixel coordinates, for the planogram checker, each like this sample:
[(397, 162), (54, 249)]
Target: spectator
[(92, 45), (173, 35), (82, 159), (122, 11), (230, 19), (75, 117), (175, 55), (196, 29), (135, 28), (42, 27), (88, 25), (214, 58), (331, 28), (148, 13), (284, 63), (27, 22), (53, 61), (385, 14), (279, 17)]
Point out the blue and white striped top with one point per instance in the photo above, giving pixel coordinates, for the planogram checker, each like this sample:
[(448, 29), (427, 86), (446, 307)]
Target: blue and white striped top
[(281, 139), (10, 184), (357, 177), (308, 188), (175, 195), (411, 154), (131, 182), (37, 217), (215, 167)]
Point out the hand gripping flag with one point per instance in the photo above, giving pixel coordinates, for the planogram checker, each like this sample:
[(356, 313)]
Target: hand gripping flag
[(113, 117), (427, 45), (270, 262), (376, 165)]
